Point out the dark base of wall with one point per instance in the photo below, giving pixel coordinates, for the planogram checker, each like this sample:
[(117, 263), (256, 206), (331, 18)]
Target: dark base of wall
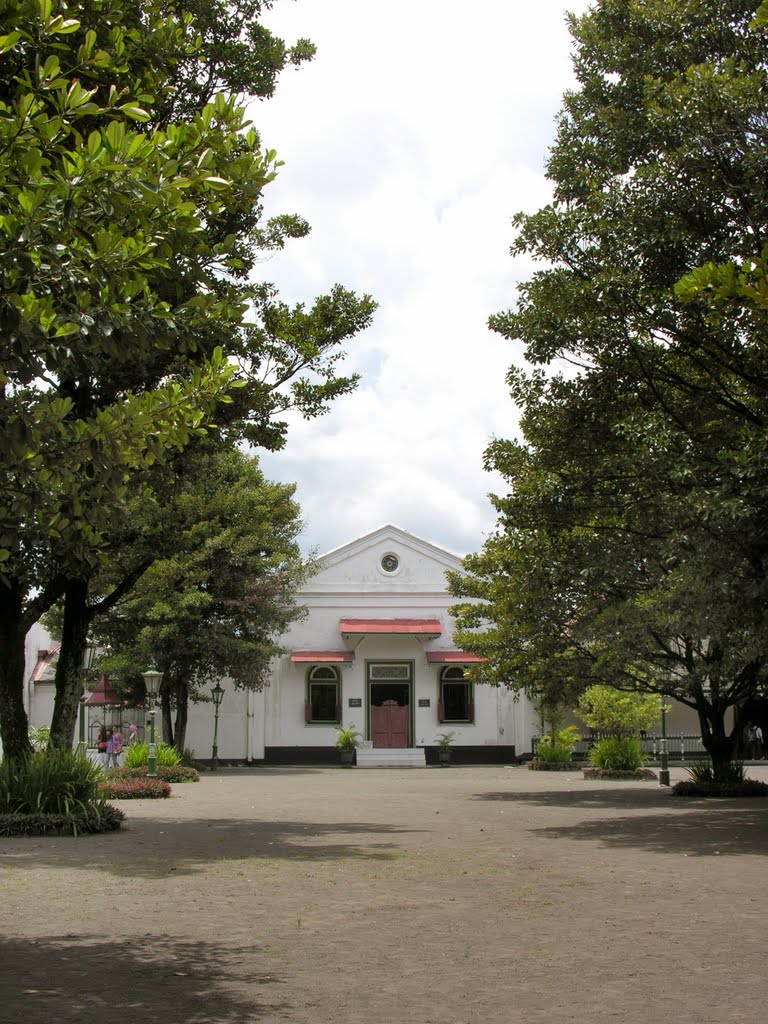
[(301, 755), (329, 756), (474, 755)]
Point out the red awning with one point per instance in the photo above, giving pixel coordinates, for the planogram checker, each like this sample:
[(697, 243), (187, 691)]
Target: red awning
[(408, 627), (323, 657), (454, 658)]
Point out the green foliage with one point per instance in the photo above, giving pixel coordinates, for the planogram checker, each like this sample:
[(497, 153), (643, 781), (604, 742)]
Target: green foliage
[(135, 789), (167, 772), (445, 739), (39, 737), (137, 755), (129, 229), (703, 772), (53, 781), (617, 753), (347, 737), (732, 782), (558, 748), (220, 590), (81, 821), (617, 712), (630, 548)]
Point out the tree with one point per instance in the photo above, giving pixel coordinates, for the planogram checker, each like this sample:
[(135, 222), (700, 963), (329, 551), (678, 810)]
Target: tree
[(219, 592), (631, 546), (130, 221), (614, 713)]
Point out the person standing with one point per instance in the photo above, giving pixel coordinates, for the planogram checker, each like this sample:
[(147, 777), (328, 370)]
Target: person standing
[(103, 746), (116, 742)]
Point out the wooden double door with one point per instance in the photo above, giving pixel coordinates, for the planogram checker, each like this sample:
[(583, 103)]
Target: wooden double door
[(390, 714)]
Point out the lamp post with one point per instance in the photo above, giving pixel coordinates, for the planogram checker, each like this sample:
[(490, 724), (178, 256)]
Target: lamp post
[(152, 679), (88, 659), (664, 769), (218, 694)]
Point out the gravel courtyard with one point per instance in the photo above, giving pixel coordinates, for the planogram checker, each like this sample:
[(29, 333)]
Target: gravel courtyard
[(455, 895)]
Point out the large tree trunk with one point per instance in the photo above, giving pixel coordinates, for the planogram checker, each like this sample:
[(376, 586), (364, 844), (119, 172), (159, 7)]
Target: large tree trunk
[(182, 714), (69, 668), (165, 711), (14, 724), (719, 744), (173, 693)]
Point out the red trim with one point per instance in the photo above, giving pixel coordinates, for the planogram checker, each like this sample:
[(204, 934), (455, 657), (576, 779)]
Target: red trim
[(45, 658), (454, 658), (104, 695), (318, 657), (414, 627)]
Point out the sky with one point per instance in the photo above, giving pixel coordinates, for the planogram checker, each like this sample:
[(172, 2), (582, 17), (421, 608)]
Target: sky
[(419, 130)]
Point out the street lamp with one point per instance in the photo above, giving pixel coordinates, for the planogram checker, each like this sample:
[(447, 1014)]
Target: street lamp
[(152, 679), (218, 694), (88, 659), (664, 768)]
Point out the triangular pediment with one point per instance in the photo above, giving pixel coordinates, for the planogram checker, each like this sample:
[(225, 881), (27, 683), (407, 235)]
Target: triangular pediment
[(388, 558)]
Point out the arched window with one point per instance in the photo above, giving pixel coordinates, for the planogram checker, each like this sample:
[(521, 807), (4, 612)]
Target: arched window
[(456, 702), (323, 703)]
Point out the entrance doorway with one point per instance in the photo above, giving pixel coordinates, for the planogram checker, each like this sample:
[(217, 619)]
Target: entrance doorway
[(390, 713)]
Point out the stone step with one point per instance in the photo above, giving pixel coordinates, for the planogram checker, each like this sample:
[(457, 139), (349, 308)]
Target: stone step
[(391, 757)]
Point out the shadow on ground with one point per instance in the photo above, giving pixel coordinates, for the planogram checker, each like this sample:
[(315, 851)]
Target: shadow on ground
[(160, 848), (71, 978), (662, 823), (714, 831), (645, 794)]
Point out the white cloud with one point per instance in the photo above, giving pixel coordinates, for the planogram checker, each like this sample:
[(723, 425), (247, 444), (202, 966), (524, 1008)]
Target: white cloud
[(418, 131)]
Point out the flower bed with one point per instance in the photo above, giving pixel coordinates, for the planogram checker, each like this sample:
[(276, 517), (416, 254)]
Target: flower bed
[(135, 789), (553, 766), (615, 773), (736, 788)]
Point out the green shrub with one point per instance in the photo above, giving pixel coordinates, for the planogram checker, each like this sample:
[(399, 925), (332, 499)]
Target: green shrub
[(53, 792), (135, 789), (734, 788), (702, 771), (39, 736), (104, 818), (557, 747), (617, 753), (52, 781), (137, 754), (735, 784), (166, 772)]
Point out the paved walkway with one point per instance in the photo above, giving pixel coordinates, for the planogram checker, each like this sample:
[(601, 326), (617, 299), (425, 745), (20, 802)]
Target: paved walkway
[(456, 896)]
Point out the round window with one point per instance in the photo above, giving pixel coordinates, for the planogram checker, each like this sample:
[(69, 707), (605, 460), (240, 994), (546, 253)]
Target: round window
[(390, 562)]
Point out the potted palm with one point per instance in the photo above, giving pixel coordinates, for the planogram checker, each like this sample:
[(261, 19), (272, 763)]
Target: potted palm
[(347, 740), (444, 741)]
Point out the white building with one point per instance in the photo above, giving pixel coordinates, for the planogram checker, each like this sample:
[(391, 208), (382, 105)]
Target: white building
[(375, 651)]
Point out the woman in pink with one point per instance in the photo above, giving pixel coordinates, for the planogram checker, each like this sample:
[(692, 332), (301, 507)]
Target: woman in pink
[(116, 741)]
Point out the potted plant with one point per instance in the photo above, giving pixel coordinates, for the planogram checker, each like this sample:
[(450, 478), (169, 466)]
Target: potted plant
[(444, 740), (347, 740)]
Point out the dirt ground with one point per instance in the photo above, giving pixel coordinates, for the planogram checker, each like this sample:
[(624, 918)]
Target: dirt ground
[(441, 895)]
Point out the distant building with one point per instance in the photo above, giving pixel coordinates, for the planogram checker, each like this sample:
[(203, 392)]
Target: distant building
[(375, 651)]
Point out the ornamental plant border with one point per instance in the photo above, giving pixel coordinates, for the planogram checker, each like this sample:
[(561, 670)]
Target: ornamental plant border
[(637, 774)]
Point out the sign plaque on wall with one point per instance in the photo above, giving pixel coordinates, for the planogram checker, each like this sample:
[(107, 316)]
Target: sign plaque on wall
[(423, 702), (355, 702)]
